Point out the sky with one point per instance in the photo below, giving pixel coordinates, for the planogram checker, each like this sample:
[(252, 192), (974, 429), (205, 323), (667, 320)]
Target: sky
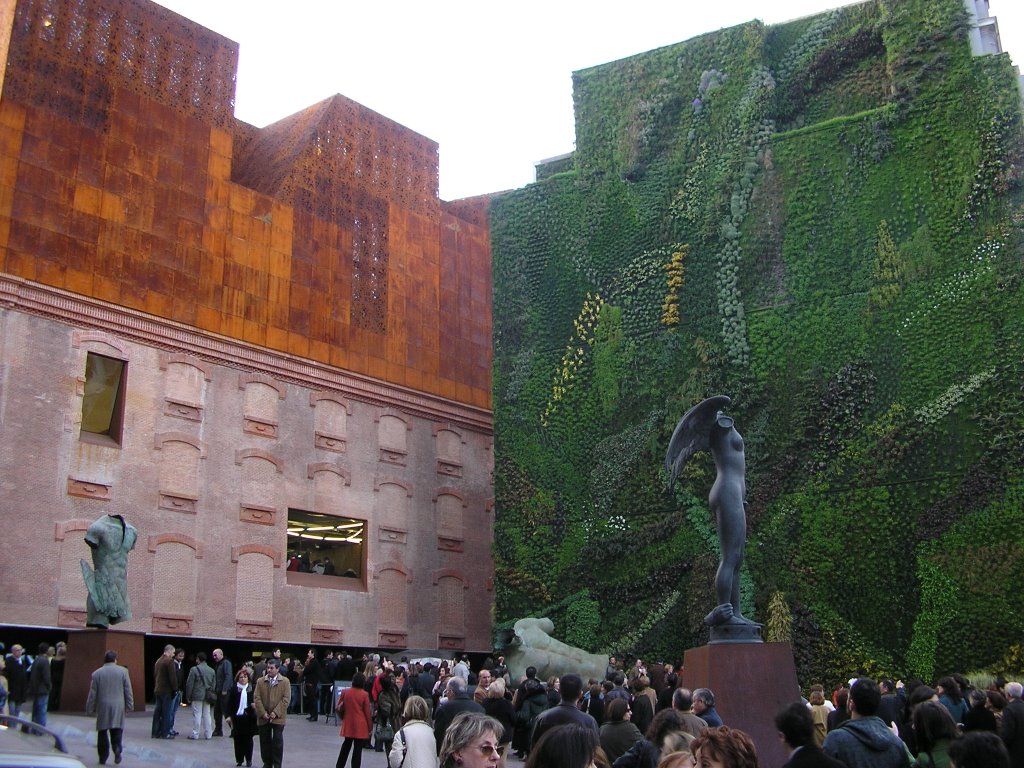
[(490, 81)]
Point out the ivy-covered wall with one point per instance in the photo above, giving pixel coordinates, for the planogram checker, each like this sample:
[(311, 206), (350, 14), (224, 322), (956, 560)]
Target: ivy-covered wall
[(823, 220)]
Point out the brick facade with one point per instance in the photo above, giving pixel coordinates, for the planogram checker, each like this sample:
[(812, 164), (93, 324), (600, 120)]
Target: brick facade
[(305, 326)]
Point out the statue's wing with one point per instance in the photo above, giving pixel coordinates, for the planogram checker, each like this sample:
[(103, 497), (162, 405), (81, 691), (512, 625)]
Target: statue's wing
[(692, 434)]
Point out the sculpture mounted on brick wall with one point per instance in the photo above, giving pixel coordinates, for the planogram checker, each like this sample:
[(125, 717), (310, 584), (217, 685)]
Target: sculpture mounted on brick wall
[(111, 538), (706, 428)]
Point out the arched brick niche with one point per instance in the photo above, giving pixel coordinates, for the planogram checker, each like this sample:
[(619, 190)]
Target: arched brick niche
[(185, 381), (175, 582), (71, 591), (450, 588), (393, 427), (330, 482), (392, 503), (391, 585), (260, 486), (254, 587), (330, 421), (180, 460), (448, 443), (260, 404), (449, 516)]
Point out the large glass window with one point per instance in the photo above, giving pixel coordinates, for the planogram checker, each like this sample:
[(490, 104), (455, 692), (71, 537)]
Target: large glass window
[(326, 545), (103, 402)]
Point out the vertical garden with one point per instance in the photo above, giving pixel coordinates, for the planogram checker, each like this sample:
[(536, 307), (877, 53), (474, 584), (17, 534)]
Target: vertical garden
[(821, 219)]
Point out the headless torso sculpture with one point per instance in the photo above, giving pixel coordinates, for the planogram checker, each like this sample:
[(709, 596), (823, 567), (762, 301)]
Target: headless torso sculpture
[(111, 538), (705, 427)]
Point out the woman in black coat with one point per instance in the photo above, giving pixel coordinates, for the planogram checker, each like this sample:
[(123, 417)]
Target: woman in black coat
[(241, 716)]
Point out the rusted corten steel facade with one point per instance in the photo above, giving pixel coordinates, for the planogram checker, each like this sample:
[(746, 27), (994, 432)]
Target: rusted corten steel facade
[(305, 326)]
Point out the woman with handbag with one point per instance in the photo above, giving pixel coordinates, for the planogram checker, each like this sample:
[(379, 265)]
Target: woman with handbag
[(414, 745), (388, 716), (356, 721), (242, 717)]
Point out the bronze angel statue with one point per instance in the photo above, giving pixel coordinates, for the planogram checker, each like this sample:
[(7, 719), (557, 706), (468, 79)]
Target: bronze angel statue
[(706, 428)]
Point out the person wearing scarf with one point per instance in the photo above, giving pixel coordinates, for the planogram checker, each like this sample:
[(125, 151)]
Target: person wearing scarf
[(242, 717)]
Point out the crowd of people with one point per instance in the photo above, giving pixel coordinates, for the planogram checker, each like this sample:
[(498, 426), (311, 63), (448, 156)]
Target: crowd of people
[(430, 713), (37, 680)]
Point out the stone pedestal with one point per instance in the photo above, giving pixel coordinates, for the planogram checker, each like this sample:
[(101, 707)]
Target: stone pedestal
[(85, 656), (751, 682)]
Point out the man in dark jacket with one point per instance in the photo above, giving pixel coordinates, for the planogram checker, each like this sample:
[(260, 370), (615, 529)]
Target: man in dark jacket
[(891, 708), (529, 701), (39, 684), (346, 666), (682, 702), (864, 741), (311, 685), (1011, 730), (459, 701), (224, 682), (165, 685), (424, 683), (704, 707), (17, 679), (796, 726), (565, 712)]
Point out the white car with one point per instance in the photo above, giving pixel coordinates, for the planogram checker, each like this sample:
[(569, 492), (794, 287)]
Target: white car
[(38, 748)]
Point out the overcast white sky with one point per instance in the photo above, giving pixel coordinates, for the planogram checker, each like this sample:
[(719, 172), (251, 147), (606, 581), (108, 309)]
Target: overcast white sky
[(490, 81)]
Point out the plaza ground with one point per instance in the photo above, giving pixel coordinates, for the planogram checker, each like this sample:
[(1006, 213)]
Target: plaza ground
[(305, 743)]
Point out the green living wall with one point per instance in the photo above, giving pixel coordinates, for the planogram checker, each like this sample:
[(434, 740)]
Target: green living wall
[(821, 219)]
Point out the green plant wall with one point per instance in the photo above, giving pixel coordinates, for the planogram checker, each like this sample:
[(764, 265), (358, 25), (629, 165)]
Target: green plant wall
[(821, 219)]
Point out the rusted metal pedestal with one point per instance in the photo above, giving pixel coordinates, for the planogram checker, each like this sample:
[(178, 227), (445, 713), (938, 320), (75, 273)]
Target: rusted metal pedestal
[(751, 682), (85, 656)]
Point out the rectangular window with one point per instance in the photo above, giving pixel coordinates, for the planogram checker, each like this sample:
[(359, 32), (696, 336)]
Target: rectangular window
[(326, 550), (103, 403)]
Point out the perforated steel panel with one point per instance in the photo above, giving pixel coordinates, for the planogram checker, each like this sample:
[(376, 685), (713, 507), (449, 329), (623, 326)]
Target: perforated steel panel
[(69, 56)]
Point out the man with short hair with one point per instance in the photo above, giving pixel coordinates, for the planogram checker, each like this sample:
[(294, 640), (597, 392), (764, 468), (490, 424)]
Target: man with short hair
[(619, 691), (1011, 729), (704, 707), (165, 685), (346, 666), (224, 682), (483, 680), (529, 701), (796, 729), (260, 669), (179, 672), (611, 669), (682, 703), (40, 683), (16, 671), (327, 668), (864, 741), (271, 697), (311, 685), (570, 687), (110, 696), (461, 668), (200, 688), (458, 702), (424, 683)]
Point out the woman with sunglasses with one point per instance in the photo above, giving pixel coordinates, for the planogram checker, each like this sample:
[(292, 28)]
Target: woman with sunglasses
[(471, 741)]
